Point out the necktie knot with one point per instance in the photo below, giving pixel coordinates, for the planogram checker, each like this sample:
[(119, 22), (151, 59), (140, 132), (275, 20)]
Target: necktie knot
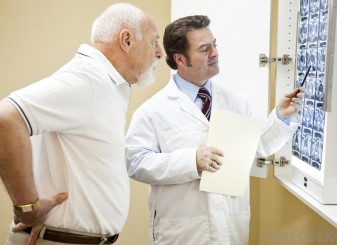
[(206, 98)]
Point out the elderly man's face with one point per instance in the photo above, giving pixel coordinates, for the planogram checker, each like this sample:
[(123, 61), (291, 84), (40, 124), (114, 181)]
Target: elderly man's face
[(148, 53)]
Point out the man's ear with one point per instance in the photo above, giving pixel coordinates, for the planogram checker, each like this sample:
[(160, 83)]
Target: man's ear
[(125, 40), (180, 59)]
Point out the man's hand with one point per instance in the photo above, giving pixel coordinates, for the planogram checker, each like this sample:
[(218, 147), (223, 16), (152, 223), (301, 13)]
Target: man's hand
[(290, 103), (209, 158), (36, 218)]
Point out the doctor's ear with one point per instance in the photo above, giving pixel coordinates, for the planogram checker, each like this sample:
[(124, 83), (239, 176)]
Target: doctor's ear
[(179, 59), (125, 40)]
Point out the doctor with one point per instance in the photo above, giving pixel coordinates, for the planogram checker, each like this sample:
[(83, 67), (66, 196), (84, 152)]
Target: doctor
[(166, 143)]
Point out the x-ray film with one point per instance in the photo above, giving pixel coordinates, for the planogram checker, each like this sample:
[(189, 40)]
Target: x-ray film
[(311, 51)]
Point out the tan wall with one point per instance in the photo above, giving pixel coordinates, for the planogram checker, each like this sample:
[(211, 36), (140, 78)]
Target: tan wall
[(278, 217), (39, 36)]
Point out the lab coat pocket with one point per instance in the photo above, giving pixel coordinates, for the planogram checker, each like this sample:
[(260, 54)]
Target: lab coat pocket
[(192, 135), (184, 231)]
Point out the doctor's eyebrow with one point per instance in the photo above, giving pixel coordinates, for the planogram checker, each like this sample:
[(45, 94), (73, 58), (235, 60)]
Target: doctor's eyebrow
[(205, 46)]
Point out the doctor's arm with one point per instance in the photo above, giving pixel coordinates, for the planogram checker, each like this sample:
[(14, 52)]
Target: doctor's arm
[(281, 124), (149, 162)]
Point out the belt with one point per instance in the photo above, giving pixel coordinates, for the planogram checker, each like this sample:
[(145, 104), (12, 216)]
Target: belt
[(67, 237)]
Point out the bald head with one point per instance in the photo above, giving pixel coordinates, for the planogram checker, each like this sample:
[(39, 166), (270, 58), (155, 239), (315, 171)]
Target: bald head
[(128, 37), (118, 16)]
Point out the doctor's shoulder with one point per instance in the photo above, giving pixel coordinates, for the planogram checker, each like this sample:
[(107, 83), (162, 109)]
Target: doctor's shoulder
[(231, 101)]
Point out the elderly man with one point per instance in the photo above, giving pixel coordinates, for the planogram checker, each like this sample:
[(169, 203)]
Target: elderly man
[(62, 138)]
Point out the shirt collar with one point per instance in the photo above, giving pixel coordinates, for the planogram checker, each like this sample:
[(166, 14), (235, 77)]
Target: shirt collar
[(89, 51), (188, 88)]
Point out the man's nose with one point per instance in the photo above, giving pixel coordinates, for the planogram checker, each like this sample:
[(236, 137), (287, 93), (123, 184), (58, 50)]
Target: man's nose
[(159, 52), (214, 52)]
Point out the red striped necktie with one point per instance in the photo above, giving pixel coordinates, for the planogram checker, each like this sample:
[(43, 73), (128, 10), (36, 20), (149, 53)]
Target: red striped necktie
[(206, 98)]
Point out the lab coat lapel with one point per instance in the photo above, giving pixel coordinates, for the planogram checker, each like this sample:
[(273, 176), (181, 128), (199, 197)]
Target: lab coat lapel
[(184, 103), (216, 96)]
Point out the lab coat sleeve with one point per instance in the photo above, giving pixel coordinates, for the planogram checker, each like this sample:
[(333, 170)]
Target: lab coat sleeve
[(276, 133), (148, 164)]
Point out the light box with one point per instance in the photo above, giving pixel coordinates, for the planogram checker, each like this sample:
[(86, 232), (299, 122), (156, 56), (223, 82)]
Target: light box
[(313, 158)]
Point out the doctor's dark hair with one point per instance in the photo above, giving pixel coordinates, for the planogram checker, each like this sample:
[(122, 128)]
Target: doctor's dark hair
[(175, 36)]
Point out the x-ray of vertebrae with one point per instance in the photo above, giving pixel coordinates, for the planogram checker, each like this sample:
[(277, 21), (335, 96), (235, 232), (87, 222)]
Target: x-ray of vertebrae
[(311, 51)]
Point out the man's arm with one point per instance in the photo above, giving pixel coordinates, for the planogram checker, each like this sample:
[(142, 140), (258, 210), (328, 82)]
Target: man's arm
[(16, 171), (16, 156), (277, 132)]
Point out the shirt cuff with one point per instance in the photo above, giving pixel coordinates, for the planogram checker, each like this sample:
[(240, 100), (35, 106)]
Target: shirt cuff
[(283, 119)]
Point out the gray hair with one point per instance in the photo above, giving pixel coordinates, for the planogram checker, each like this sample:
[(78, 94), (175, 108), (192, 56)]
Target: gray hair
[(114, 19)]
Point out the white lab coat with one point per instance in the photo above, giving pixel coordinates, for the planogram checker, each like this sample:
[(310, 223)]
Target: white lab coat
[(161, 145)]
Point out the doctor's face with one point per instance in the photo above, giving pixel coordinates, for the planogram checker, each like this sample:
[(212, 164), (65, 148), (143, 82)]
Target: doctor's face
[(201, 61)]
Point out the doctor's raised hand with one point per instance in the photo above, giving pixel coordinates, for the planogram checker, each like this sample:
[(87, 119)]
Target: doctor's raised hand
[(290, 103), (209, 158)]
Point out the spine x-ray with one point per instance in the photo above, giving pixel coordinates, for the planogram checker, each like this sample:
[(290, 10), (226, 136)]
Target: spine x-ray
[(311, 51)]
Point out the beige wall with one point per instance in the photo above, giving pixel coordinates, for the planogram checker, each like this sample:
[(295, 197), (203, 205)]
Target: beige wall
[(38, 36)]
